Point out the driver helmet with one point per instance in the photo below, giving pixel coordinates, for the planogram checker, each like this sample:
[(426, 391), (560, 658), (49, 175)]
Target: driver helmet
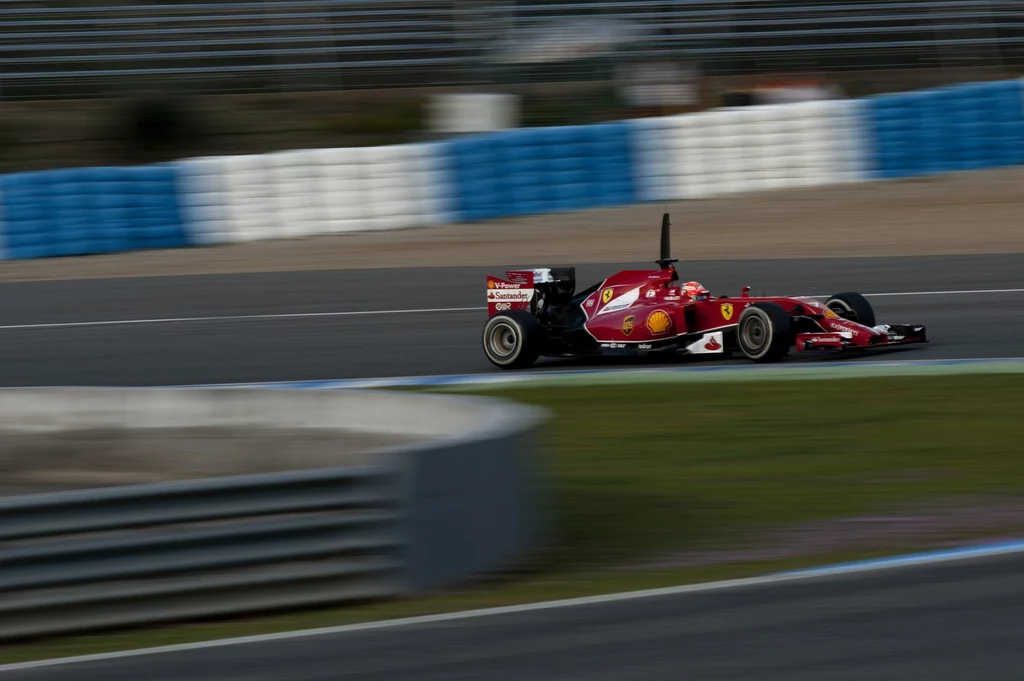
[(695, 291)]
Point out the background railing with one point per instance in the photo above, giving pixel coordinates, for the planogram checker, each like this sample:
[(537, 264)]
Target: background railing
[(104, 47)]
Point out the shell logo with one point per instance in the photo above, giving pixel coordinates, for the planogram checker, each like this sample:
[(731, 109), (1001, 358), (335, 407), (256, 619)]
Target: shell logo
[(490, 284), (659, 322)]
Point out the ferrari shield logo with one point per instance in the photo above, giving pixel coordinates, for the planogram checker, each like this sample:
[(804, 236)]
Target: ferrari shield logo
[(727, 311), (627, 325), (606, 295)]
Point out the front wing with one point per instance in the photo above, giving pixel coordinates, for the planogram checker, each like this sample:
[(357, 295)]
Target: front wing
[(886, 336)]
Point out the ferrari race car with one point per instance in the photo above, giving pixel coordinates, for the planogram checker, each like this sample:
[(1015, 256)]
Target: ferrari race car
[(538, 312)]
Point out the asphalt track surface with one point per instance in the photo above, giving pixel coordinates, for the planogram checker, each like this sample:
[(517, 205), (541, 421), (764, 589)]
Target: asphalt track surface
[(957, 621), (349, 323)]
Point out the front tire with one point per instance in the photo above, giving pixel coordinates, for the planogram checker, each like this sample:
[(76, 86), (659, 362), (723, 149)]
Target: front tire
[(764, 332), (852, 306), (513, 339)]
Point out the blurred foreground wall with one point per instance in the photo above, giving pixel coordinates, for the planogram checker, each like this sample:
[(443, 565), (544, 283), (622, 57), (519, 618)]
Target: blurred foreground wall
[(460, 496), (515, 172)]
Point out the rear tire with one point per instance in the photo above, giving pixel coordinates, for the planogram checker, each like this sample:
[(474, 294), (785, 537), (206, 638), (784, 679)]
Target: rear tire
[(513, 339), (852, 306), (764, 332)]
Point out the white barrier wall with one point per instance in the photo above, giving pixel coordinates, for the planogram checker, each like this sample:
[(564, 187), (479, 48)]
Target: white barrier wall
[(200, 193), (314, 191), (725, 151)]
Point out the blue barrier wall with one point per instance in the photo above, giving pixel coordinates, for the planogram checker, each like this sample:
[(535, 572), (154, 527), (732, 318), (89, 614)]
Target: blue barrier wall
[(84, 211), (966, 127), (518, 172), (543, 170)]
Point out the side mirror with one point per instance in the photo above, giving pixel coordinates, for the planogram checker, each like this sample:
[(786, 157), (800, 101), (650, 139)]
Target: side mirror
[(746, 292)]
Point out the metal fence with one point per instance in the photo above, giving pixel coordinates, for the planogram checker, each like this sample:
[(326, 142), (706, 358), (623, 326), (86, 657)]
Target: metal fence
[(91, 47), (96, 558)]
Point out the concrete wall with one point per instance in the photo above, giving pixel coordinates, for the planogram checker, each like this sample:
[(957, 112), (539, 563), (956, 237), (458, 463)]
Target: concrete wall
[(463, 495)]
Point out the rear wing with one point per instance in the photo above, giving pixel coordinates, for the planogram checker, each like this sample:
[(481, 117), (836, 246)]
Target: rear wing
[(516, 293)]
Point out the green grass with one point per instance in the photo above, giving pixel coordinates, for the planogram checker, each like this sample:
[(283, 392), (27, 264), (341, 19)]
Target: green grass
[(643, 473), (647, 469)]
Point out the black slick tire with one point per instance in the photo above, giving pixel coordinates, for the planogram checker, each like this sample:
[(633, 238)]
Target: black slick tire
[(852, 306), (764, 332), (513, 339)]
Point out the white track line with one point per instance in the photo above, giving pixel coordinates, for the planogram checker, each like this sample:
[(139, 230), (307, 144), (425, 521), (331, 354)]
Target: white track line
[(358, 313), (941, 293), (234, 317), (868, 566)]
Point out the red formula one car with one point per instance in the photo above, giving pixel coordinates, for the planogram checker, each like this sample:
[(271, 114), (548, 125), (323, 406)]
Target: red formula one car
[(538, 312)]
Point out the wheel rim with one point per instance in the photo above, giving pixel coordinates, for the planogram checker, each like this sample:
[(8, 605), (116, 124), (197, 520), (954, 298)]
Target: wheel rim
[(502, 341), (755, 333)]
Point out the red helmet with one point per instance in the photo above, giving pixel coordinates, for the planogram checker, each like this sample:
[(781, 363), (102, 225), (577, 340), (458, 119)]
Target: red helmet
[(695, 291)]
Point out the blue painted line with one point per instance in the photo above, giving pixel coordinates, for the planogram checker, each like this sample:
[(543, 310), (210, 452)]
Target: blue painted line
[(924, 557), (537, 376)]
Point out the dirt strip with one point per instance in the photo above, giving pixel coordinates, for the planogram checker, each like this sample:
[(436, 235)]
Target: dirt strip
[(966, 213)]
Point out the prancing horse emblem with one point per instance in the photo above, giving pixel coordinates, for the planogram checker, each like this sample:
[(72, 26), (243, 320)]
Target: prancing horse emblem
[(727, 311)]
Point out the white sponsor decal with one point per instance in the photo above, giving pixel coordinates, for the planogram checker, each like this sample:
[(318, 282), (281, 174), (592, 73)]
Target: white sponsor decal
[(543, 275), (517, 296), (622, 302), (709, 343), (590, 303), (645, 346), (652, 293), (501, 307), (506, 285)]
